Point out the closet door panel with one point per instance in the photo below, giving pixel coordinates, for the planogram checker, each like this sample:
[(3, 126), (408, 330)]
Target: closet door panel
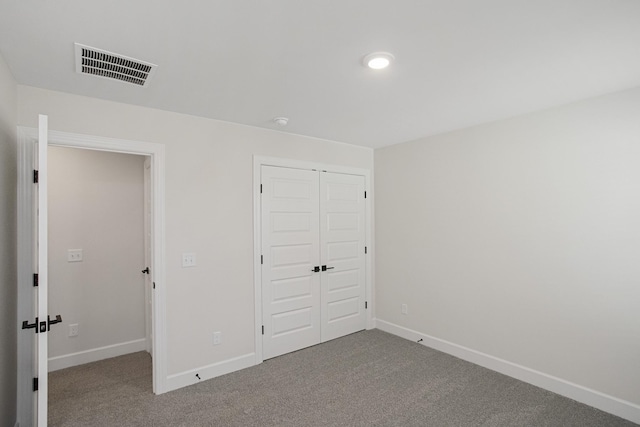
[(290, 251), (342, 243)]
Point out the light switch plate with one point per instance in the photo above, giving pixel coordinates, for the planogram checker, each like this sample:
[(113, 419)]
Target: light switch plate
[(188, 259), (74, 255)]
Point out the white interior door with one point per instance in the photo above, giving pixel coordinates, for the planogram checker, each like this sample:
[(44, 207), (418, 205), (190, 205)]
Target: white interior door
[(290, 253), (342, 243), (313, 257), (148, 256), (42, 271)]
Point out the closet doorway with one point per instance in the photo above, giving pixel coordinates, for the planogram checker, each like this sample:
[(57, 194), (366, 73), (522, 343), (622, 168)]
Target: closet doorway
[(97, 255), (313, 271)]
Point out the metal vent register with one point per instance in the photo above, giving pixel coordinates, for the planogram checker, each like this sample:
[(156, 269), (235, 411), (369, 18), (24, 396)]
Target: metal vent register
[(101, 63)]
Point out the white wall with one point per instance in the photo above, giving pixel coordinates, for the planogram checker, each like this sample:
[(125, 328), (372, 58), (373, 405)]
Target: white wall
[(209, 209), (8, 274), (96, 203), (520, 239)]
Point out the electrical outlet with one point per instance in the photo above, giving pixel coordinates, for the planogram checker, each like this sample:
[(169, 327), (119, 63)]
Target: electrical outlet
[(73, 330), (74, 255), (188, 259), (404, 309), (217, 338)]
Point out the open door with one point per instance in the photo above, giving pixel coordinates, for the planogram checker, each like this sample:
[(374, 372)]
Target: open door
[(148, 256), (41, 368), (42, 322)]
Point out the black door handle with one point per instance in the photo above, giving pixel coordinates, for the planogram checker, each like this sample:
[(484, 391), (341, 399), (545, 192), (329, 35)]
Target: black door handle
[(146, 270), (27, 325), (42, 327), (325, 268), (316, 269), (53, 322)]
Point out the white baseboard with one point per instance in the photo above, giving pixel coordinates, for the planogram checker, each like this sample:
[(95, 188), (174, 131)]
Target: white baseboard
[(95, 354), (604, 402), (207, 372)]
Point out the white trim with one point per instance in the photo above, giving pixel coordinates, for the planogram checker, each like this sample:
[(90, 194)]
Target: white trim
[(258, 162), (95, 354), (159, 297), (370, 256), (602, 401), (91, 142), (187, 378), (257, 265), (25, 240), (301, 164)]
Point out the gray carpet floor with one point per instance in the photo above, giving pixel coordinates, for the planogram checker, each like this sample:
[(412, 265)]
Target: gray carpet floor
[(370, 378)]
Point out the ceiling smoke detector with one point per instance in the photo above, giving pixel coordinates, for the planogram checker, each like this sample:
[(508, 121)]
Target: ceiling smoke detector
[(281, 121), (109, 65)]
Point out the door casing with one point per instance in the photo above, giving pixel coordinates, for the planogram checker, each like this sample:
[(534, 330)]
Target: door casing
[(258, 162), (26, 241)]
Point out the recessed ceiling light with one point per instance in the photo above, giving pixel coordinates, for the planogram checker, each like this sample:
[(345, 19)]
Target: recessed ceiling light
[(282, 121), (378, 60)]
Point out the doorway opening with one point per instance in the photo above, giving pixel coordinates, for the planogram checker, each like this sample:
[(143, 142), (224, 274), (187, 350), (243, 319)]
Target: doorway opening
[(96, 266), (154, 336)]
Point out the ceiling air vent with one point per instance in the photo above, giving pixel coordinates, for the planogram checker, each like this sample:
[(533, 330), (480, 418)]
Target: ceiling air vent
[(101, 63)]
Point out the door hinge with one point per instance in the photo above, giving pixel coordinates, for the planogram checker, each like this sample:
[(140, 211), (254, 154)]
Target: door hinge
[(262, 329), (365, 249), (35, 176), (260, 188), (35, 279), (261, 259), (365, 305), (154, 285), (365, 194), (35, 384)]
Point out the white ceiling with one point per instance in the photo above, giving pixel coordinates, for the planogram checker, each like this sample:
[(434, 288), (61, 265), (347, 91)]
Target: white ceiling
[(458, 62)]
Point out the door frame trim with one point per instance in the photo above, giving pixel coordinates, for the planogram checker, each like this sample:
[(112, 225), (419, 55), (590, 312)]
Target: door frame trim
[(25, 241), (258, 162)]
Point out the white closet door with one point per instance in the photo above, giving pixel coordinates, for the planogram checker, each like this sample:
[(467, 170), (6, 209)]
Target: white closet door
[(290, 250), (342, 242)]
